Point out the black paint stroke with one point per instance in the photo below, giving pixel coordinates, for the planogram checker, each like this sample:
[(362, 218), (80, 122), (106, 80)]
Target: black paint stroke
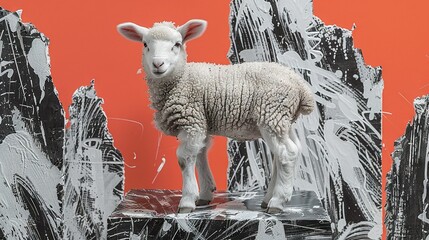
[(407, 186)]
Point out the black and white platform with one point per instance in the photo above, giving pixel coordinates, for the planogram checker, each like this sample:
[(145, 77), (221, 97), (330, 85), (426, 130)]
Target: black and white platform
[(152, 214)]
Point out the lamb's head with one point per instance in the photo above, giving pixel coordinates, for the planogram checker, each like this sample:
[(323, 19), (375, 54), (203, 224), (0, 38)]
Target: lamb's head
[(164, 52)]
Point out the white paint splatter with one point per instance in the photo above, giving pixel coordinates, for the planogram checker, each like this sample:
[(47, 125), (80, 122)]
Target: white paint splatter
[(339, 74)]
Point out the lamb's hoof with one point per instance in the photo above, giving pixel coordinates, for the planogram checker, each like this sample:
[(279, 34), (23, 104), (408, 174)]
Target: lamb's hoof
[(201, 202), (274, 210), (185, 210), (264, 205)]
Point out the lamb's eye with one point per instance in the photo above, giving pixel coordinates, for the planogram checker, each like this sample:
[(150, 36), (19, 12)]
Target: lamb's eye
[(178, 44), (145, 45)]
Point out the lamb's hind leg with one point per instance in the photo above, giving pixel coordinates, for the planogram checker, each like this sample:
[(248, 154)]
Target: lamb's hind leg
[(295, 139), (282, 192), (286, 153), (189, 147), (205, 176), (271, 185)]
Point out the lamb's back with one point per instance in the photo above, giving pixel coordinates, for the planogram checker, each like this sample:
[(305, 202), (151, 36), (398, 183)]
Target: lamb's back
[(236, 99)]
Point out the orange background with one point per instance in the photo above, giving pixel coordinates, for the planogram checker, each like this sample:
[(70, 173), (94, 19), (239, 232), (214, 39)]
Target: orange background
[(85, 45)]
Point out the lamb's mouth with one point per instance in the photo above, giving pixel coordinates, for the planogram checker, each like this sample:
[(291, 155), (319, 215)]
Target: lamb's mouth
[(159, 72)]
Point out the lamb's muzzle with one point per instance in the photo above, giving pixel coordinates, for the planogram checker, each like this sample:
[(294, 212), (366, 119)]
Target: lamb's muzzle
[(194, 101)]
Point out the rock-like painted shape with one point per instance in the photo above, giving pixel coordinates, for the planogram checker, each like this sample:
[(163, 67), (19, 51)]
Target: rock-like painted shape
[(44, 194), (407, 215), (31, 134), (93, 170), (341, 158)]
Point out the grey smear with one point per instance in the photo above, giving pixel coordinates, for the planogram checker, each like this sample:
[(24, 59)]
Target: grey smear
[(407, 199), (341, 159), (53, 185)]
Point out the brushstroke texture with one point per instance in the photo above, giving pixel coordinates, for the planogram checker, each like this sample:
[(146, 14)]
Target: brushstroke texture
[(34, 202), (407, 182), (93, 176), (31, 134), (341, 159), (152, 214)]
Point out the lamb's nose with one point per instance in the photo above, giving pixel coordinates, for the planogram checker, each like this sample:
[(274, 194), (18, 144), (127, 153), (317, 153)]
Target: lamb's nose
[(158, 63)]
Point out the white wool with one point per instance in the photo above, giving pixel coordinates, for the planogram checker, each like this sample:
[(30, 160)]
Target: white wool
[(229, 100)]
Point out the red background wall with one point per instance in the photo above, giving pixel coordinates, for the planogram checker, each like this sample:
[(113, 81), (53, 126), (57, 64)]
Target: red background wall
[(85, 45)]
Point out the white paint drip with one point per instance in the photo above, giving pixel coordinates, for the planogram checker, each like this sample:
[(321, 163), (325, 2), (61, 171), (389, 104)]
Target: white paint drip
[(38, 60), (161, 166), (157, 147)]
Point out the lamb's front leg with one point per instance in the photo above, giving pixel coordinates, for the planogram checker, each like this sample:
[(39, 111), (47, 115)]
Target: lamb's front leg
[(205, 176), (189, 147)]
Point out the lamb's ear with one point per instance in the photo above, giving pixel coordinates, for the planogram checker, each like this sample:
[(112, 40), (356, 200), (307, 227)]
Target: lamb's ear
[(132, 31), (192, 29)]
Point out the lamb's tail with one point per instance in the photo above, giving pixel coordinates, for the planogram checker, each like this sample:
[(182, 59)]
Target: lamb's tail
[(307, 103)]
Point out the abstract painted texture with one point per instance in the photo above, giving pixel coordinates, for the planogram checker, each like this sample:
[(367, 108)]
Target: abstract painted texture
[(152, 214), (407, 183), (53, 185), (341, 159), (93, 171), (31, 134)]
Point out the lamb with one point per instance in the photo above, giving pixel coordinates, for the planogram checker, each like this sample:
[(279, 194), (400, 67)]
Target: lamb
[(194, 101)]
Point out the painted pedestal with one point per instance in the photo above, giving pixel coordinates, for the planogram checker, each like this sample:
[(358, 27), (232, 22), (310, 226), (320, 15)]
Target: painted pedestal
[(152, 214)]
